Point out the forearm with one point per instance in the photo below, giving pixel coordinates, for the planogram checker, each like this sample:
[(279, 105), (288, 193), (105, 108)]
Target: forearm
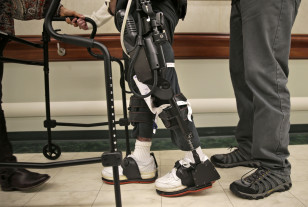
[(101, 16), (112, 7)]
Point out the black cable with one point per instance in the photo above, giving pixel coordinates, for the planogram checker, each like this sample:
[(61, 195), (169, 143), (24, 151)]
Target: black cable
[(133, 60)]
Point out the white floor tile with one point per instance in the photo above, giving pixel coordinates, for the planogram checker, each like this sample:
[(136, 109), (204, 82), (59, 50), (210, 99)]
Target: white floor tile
[(300, 191), (8, 199), (84, 199), (133, 198), (82, 185)]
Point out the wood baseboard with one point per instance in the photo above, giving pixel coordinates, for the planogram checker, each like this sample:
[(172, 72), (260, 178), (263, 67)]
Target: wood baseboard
[(186, 46)]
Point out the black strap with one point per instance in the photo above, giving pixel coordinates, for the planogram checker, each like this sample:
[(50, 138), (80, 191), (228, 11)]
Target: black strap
[(143, 117), (185, 174), (168, 116), (136, 102), (180, 97), (152, 154), (130, 169), (139, 111)]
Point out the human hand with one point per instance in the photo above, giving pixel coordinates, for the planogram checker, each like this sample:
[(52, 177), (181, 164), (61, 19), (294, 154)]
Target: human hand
[(112, 7), (76, 22), (81, 23)]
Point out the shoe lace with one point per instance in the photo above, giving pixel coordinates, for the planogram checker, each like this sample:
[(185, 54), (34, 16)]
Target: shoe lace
[(232, 147), (183, 162), (236, 149), (171, 176), (260, 172)]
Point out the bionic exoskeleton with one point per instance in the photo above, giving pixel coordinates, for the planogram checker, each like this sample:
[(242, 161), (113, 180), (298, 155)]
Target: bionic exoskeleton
[(142, 36)]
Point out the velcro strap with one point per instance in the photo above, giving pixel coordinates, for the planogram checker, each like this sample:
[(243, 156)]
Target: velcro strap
[(139, 116), (180, 97), (136, 102), (168, 116), (177, 164), (130, 169), (185, 174), (152, 154), (139, 111)]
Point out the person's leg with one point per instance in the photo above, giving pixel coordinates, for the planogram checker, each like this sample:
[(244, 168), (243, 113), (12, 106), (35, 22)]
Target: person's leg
[(142, 120), (180, 180), (6, 151), (145, 166), (244, 99), (12, 178), (267, 39), (267, 35), (178, 138)]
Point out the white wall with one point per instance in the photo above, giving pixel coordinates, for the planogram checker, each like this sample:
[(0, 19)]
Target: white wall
[(205, 82), (209, 15)]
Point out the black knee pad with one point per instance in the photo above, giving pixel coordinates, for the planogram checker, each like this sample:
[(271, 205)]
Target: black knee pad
[(139, 111), (168, 115)]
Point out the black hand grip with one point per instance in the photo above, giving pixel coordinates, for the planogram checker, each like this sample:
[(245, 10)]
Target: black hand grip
[(87, 19), (75, 40)]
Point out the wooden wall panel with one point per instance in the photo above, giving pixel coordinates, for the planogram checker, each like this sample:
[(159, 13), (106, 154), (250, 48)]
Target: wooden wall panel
[(186, 46)]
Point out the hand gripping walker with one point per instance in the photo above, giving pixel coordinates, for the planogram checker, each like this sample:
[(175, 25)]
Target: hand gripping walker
[(142, 43)]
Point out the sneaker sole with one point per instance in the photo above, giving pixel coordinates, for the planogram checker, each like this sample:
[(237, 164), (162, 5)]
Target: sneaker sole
[(184, 191), (244, 164), (122, 182), (280, 188), (141, 181)]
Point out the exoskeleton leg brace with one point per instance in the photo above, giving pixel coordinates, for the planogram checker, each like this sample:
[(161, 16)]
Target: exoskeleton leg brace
[(147, 65), (144, 47)]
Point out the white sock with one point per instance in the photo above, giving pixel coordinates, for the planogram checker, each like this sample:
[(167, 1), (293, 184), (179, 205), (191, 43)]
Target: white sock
[(190, 156), (142, 151)]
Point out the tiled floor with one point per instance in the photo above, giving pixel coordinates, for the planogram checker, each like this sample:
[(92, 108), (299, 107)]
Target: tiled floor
[(82, 186)]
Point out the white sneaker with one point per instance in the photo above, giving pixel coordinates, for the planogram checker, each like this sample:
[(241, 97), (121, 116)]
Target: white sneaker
[(147, 170), (180, 180), (171, 182)]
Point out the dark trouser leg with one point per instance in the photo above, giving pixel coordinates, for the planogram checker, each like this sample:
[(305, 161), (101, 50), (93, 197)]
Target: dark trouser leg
[(6, 152), (12, 178), (177, 136), (266, 45), (146, 129), (244, 96)]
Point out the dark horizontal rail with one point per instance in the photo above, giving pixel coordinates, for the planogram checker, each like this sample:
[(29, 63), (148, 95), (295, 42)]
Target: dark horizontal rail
[(17, 39), (82, 125), (66, 163), (26, 62)]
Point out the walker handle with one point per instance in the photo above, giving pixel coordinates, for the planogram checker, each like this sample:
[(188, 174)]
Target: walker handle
[(75, 40)]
